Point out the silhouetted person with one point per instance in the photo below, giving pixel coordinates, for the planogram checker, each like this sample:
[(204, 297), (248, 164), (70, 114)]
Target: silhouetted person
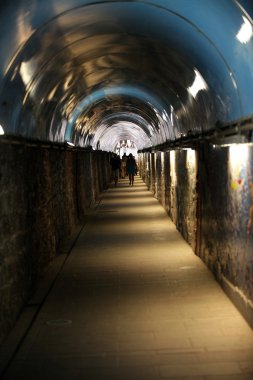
[(131, 168), (115, 164), (123, 165)]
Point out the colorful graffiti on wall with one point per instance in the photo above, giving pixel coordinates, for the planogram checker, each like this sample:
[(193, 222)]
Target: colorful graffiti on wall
[(241, 166)]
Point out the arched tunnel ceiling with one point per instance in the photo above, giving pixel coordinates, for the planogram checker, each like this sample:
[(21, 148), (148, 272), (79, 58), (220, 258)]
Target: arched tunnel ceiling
[(148, 71)]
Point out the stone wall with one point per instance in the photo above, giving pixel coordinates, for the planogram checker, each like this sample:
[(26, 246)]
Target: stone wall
[(45, 192), (225, 200), (208, 194), (173, 183)]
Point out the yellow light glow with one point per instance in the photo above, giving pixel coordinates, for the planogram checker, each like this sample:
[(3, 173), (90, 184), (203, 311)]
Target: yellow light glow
[(162, 159), (173, 167), (26, 72), (191, 158), (68, 81), (52, 93), (246, 31)]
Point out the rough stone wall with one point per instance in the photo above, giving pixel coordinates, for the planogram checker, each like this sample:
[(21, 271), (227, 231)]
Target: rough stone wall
[(158, 176), (173, 183), (144, 167), (141, 166), (163, 181), (210, 200), (44, 194), (152, 165), (167, 183), (105, 169), (147, 169), (85, 196), (186, 194), (173, 187), (225, 196)]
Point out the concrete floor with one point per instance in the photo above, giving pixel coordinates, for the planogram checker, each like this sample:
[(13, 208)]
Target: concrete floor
[(132, 302)]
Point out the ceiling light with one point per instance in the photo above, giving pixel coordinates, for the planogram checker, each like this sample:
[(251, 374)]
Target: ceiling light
[(1, 130), (246, 31), (198, 84)]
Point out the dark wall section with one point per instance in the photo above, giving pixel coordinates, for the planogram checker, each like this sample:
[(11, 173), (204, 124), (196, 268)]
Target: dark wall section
[(208, 194), (45, 194)]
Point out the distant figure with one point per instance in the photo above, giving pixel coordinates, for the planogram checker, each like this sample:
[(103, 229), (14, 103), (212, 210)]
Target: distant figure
[(131, 168), (115, 163), (123, 165)]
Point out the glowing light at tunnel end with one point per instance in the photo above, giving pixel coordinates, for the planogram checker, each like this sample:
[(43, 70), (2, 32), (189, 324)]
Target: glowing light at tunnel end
[(139, 122)]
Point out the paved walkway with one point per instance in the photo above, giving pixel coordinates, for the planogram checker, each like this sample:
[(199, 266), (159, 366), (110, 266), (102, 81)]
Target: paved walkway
[(132, 302)]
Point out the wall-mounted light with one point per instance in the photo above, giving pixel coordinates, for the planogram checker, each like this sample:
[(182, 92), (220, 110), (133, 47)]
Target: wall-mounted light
[(1, 130), (70, 143)]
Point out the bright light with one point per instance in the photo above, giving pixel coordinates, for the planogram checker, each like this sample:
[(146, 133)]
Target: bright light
[(198, 84), (238, 156), (52, 93), (246, 31), (164, 116), (162, 158), (70, 143), (1, 130), (171, 115), (26, 72), (173, 167), (238, 153), (233, 80), (191, 158)]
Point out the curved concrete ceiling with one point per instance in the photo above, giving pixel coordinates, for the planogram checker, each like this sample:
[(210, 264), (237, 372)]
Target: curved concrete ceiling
[(147, 71)]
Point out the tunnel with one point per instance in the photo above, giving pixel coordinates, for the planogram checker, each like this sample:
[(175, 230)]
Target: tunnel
[(170, 81)]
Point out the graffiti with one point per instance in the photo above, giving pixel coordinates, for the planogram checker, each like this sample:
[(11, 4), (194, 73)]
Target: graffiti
[(241, 165), (237, 183)]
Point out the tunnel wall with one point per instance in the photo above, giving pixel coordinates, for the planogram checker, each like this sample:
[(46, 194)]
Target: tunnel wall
[(173, 182), (208, 194), (45, 194), (225, 198)]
